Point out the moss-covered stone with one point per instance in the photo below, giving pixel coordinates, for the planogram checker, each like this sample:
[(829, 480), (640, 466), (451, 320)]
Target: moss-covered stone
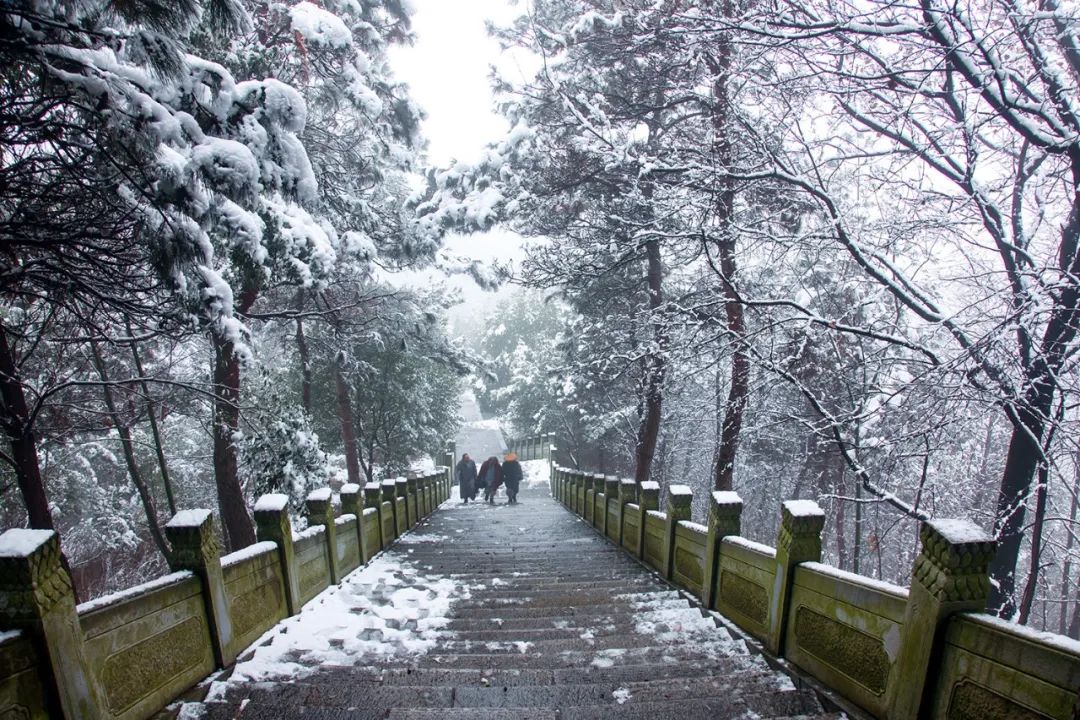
[(799, 541), (36, 596), (949, 576), (195, 548), (725, 518)]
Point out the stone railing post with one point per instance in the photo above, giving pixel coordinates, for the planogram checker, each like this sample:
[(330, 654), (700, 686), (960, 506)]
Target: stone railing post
[(611, 494), (949, 576), (421, 495), (411, 500), (650, 500), (628, 493), (799, 541), (36, 596), (401, 491), (272, 524), (352, 503), (725, 518), (320, 511), (680, 500), (373, 499), (195, 547), (389, 488)]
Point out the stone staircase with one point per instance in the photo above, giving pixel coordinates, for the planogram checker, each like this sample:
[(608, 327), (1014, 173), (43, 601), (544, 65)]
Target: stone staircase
[(552, 622)]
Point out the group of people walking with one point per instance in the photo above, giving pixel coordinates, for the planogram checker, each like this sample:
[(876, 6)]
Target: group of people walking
[(489, 478)]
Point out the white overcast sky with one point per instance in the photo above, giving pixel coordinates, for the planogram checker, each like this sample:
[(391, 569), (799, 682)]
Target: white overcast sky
[(448, 71)]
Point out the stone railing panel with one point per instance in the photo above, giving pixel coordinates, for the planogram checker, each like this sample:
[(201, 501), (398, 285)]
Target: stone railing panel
[(845, 630), (744, 581), (22, 690), (369, 523), (148, 644), (313, 567), (254, 586), (992, 668), (348, 543), (655, 552), (688, 556)]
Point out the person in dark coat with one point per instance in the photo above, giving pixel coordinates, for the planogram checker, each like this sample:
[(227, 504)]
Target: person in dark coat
[(466, 477), (511, 476), (490, 478)]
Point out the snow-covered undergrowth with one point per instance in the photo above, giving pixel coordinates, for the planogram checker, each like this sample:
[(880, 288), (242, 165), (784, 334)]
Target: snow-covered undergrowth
[(537, 473), (388, 608)]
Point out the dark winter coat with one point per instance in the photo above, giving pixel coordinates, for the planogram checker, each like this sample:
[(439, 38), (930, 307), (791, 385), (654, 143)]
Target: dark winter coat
[(512, 475), (482, 477), (466, 477)]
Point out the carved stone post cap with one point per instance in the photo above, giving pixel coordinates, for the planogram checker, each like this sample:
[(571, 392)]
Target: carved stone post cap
[(628, 489), (957, 546), (802, 517), (680, 495), (32, 580), (270, 510), (726, 500), (320, 495), (411, 482), (318, 504), (22, 543), (401, 484), (193, 538), (352, 500), (26, 556), (187, 520), (611, 485)]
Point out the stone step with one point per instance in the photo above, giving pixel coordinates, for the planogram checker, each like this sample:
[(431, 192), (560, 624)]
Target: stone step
[(598, 657), (482, 612), (790, 705), (523, 586), (581, 694), (556, 645), (617, 615), (723, 667)]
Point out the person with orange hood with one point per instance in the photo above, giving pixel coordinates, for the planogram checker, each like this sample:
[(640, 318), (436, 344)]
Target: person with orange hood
[(511, 476)]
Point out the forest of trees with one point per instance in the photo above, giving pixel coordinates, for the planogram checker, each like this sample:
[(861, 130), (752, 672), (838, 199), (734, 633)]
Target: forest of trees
[(202, 207), (802, 249), (796, 249)]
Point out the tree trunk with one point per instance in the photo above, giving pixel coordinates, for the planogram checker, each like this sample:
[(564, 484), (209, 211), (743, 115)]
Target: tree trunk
[(731, 428), (1067, 585), (1028, 596), (159, 449), (1021, 465), (345, 417), (655, 369), (305, 357), (128, 447), (723, 155), (20, 432), (235, 521)]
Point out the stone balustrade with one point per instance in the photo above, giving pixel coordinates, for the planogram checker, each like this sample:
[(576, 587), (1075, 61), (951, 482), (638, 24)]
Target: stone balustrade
[(128, 655), (534, 447), (927, 651)]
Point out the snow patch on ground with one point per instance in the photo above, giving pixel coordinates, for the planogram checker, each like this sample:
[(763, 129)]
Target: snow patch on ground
[(537, 473), (387, 609)]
